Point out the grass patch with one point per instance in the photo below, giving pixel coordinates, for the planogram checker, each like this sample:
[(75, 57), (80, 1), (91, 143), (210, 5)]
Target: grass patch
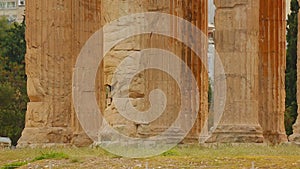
[(43, 156), (14, 165), (172, 152), (51, 155)]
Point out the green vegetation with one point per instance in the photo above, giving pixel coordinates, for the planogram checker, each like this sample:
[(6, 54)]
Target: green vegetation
[(43, 156), (51, 155), (12, 44), (172, 152), (13, 94), (14, 165), (291, 70)]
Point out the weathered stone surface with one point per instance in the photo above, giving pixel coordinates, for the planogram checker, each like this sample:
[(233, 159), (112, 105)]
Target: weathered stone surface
[(57, 31), (237, 30), (48, 70), (43, 136), (272, 55), (86, 19), (146, 81)]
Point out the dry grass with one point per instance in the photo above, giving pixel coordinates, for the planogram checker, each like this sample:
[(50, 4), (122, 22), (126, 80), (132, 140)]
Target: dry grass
[(222, 156)]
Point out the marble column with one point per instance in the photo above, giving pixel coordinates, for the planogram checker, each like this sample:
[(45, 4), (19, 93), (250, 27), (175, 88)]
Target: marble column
[(272, 56), (86, 20), (48, 68), (236, 38)]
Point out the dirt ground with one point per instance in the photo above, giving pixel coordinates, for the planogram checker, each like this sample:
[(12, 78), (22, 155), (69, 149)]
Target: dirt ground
[(181, 157)]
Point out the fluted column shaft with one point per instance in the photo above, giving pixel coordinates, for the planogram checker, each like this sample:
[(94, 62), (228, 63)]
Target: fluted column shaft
[(272, 56), (48, 68), (236, 37)]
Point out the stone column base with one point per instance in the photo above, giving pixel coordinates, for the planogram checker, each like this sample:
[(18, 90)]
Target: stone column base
[(45, 137), (236, 134), (81, 139), (275, 137), (191, 140), (295, 138)]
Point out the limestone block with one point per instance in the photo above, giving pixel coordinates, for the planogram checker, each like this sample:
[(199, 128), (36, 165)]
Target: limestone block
[(36, 92), (37, 114), (295, 138), (42, 136), (80, 139), (33, 63), (60, 114), (43, 114), (118, 122), (236, 134)]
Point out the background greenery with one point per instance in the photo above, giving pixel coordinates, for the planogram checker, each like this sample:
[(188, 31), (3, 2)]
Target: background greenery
[(13, 96), (291, 68)]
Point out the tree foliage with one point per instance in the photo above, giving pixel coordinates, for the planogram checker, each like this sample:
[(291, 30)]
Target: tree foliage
[(13, 95), (291, 70), (13, 44)]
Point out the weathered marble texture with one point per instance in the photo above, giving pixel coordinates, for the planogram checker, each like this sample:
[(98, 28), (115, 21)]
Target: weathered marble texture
[(56, 32), (272, 64), (249, 40), (236, 36)]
